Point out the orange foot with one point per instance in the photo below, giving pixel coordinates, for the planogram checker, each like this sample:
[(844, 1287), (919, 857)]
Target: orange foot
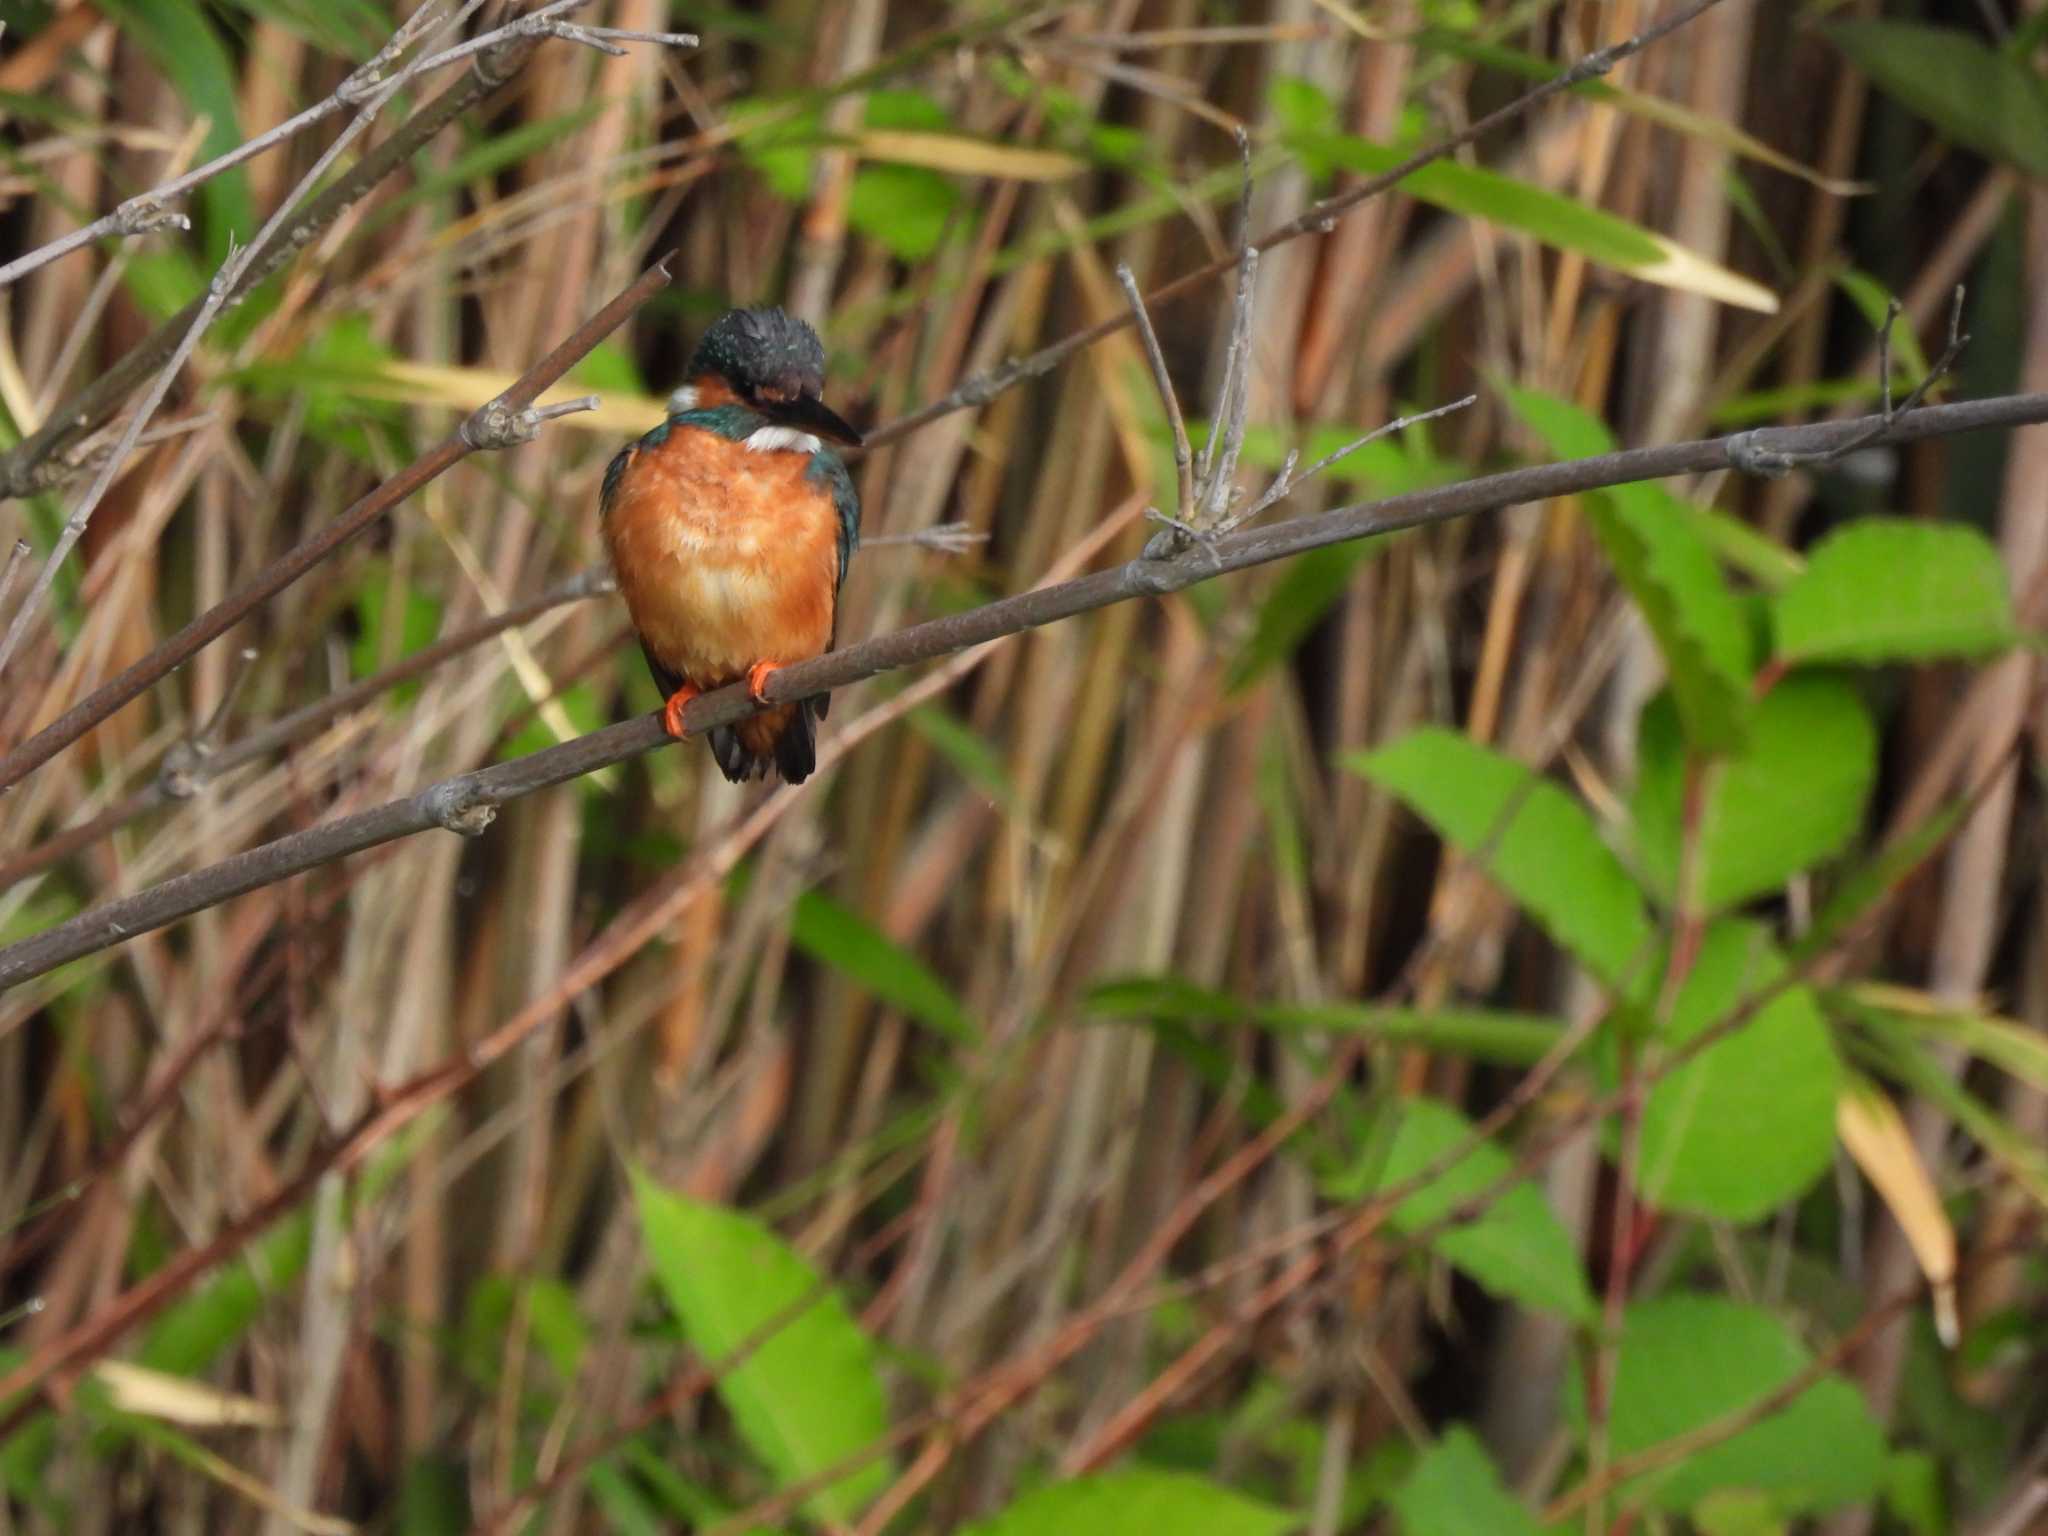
[(672, 712), (757, 679)]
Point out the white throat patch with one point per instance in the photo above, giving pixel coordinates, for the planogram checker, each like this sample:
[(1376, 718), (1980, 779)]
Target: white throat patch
[(681, 400), (782, 439)]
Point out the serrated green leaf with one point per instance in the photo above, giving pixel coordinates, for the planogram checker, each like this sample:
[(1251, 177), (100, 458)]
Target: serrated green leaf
[(834, 933), (806, 1396), (1658, 551), (1516, 1247), (1971, 93), (1688, 1361), (1455, 1490), (1137, 1499), (1748, 1123), (1529, 836), (1790, 798), (1896, 589)]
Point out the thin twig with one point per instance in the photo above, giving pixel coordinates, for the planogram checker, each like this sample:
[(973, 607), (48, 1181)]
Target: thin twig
[(985, 387), (467, 802), (193, 773), (12, 572), (36, 462), (288, 568), (1183, 456), (229, 282)]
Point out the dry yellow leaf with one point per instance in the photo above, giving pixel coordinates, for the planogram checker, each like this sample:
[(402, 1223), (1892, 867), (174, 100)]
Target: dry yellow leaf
[(968, 157), (1869, 1125)]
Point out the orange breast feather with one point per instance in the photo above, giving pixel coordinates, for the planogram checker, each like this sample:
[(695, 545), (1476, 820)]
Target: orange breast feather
[(725, 556)]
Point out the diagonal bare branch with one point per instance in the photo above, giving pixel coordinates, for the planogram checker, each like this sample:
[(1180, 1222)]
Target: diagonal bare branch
[(288, 568), (467, 802)]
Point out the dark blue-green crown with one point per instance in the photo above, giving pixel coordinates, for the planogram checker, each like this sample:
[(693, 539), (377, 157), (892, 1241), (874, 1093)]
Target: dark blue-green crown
[(762, 350)]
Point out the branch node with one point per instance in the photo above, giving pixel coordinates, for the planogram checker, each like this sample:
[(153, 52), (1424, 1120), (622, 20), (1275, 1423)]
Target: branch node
[(1748, 453), (183, 772), (497, 425), (455, 806), (144, 214)]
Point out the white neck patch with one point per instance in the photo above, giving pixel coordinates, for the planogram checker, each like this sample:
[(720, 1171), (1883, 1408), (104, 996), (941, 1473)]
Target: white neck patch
[(782, 439), (681, 400)]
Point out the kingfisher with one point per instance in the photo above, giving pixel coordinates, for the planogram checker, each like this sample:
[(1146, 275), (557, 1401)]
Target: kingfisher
[(730, 527)]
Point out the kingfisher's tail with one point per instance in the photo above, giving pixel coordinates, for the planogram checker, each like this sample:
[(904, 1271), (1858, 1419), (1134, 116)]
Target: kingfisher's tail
[(785, 738)]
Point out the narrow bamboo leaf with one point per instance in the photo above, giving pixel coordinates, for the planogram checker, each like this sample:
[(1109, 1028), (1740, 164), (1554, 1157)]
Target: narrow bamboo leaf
[(1516, 1247), (1874, 300), (181, 41), (807, 1395), (1514, 1039), (2006, 1043), (971, 753), (1138, 1499), (1669, 569), (1305, 592), (190, 1336), (1788, 799), (843, 939), (1455, 1490), (1688, 1361), (1654, 109), (1551, 217), (1982, 99), (2020, 1155), (1896, 589), (1748, 1123), (1871, 881), (1529, 835)]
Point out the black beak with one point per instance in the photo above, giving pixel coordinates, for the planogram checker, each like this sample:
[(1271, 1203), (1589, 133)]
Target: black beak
[(813, 416)]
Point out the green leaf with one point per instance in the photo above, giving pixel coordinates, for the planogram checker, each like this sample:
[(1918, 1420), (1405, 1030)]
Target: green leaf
[(1529, 835), (1306, 590), (1551, 217), (1749, 1123), (1913, 1491), (181, 41), (1516, 1247), (1973, 95), (191, 1335), (1896, 589), (1658, 550), (1455, 1491), (1137, 1499), (2006, 1044), (1688, 1361), (1515, 1039), (1871, 880), (1874, 300), (976, 758), (829, 931), (904, 208), (806, 1396), (1790, 798)]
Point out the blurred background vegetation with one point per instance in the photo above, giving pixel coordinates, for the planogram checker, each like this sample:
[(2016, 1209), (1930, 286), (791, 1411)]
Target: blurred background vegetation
[(1061, 1113)]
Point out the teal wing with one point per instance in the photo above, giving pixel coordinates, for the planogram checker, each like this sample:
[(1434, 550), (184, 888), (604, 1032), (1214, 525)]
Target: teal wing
[(615, 471), (828, 471)]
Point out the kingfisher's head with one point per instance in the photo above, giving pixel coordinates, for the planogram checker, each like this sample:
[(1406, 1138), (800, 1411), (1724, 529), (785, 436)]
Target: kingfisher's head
[(772, 362)]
